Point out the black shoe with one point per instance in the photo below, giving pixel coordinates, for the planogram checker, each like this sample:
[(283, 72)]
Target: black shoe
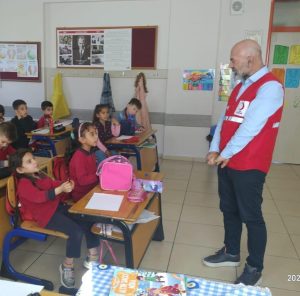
[(221, 258), (250, 276)]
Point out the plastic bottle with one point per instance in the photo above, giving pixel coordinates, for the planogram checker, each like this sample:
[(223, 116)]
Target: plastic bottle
[(51, 125)]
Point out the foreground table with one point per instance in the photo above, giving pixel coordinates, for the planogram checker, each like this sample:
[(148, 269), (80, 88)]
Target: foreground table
[(97, 282)]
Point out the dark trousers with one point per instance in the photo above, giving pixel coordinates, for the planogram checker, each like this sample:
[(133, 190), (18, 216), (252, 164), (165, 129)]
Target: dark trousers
[(240, 202), (63, 221)]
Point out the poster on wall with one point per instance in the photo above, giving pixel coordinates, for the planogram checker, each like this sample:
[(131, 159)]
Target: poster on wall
[(226, 83), (20, 61), (80, 48), (198, 79), (117, 48), (294, 57)]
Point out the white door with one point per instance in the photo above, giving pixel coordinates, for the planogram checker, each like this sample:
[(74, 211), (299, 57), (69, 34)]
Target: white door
[(287, 149)]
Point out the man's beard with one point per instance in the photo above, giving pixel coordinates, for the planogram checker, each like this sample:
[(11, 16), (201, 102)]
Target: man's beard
[(239, 76)]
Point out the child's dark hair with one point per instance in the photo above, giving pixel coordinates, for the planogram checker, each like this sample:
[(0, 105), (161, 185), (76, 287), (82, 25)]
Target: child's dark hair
[(136, 102), (98, 109), (75, 144), (83, 128), (138, 77), (17, 103), (8, 130), (2, 110), (46, 104), (16, 160)]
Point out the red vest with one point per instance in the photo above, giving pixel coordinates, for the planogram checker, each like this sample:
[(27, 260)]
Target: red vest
[(257, 155)]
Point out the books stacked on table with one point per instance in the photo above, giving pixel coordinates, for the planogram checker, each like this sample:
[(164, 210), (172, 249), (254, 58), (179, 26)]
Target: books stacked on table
[(129, 282)]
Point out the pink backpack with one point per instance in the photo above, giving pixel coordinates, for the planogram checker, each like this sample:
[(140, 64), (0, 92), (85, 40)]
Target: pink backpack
[(115, 173)]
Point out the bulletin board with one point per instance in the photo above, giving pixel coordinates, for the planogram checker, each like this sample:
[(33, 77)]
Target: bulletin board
[(20, 61), (138, 48)]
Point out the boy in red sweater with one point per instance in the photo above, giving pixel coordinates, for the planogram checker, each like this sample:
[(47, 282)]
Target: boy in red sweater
[(47, 108), (8, 134)]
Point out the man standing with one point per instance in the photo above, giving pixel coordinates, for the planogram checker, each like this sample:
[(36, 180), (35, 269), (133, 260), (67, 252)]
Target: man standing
[(242, 147)]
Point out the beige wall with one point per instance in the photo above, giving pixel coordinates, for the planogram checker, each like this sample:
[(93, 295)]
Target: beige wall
[(193, 34)]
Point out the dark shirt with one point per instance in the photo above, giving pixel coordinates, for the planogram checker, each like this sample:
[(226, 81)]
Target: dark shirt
[(104, 131), (23, 125)]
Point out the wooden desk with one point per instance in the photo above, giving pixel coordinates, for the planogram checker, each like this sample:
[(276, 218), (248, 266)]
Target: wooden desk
[(57, 142), (68, 129), (5, 227), (135, 241), (146, 158)]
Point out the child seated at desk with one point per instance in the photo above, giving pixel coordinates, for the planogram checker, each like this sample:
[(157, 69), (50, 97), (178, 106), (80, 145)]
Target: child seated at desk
[(106, 130), (2, 112), (83, 162), (8, 134), (47, 108), (23, 122), (39, 197), (127, 118)]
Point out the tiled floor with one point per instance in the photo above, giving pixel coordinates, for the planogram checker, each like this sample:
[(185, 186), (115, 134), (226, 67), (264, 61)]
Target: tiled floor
[(194, 229)]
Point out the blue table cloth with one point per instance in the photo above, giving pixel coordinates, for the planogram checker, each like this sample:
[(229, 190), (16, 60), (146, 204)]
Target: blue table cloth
[(96, 282)]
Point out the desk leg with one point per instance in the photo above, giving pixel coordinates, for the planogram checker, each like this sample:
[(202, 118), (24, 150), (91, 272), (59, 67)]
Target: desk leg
[(159, 233), (138, 158), (157, 168), (127, 242)]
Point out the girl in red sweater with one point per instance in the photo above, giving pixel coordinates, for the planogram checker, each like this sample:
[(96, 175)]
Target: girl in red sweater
[(83, 162), (39, 197)]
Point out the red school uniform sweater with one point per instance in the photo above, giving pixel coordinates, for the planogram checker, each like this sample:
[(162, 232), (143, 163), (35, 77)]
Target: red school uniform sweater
[(43, 121), (83, 173), (38, 201), (5, 152)]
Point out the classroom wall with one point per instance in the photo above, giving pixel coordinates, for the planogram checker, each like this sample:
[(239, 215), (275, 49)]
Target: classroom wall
[(192, 34)]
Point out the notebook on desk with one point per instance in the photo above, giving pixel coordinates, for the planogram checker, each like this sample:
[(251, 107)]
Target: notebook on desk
[(42, 131)]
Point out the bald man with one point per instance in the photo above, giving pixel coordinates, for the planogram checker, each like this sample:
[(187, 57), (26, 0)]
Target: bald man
[(242, 148)]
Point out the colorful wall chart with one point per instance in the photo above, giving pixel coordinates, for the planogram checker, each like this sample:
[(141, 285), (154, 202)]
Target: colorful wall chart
[(294, 57), (279, 74), (198, 79), (292, 78), (226, 83), (281, 53)]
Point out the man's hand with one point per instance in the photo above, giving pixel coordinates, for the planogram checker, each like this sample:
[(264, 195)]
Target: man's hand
[(211, 157), (221, 161)]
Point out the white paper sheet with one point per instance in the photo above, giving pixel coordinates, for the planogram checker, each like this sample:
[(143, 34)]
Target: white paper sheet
[(124, 137), (64, 123), (41, 131), (18, 289), (105, 202)]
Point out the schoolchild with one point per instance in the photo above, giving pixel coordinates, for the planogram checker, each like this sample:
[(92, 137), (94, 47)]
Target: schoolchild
[(106, 130), (39, 199), (127, 118), (23, 122), (83, 162), (8, 134), (2, 113), (47, 108)]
